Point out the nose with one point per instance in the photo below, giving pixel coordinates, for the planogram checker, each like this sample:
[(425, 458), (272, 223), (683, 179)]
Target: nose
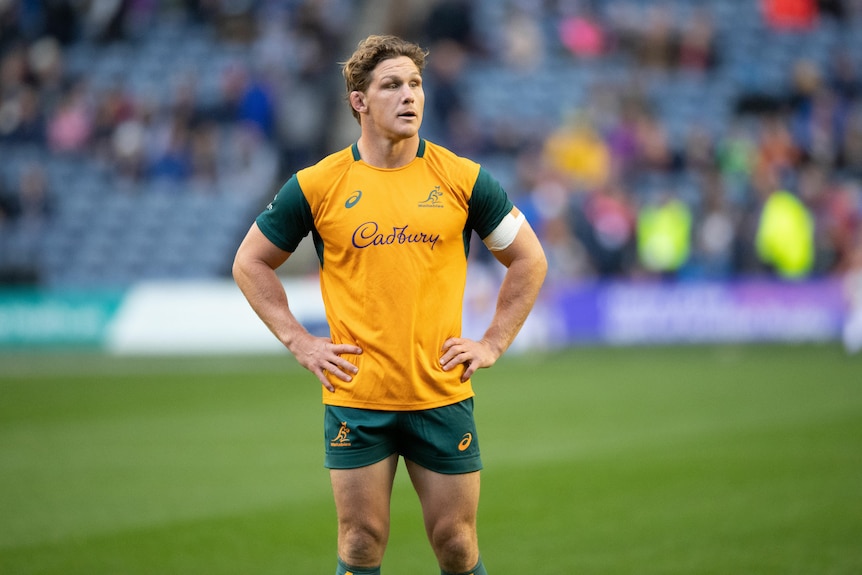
[(407, 94)]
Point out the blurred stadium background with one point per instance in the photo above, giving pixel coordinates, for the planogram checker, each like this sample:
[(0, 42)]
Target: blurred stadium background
[(693, 167), (708, 153)]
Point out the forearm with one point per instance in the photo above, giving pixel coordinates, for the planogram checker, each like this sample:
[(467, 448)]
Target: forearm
[(265, 293), (254, 273), (518, 294)]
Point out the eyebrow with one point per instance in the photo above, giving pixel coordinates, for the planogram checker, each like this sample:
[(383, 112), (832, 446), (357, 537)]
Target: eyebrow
[(389, 79), (397, 77)]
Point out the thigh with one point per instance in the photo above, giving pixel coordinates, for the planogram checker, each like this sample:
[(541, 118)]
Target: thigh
[(362, 503), (448, 500), (364, 490)]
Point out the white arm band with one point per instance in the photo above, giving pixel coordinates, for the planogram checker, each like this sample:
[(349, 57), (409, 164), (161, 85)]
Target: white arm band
[(504, 234)]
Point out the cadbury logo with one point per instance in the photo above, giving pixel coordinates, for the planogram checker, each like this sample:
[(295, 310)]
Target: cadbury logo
[(369, 234)]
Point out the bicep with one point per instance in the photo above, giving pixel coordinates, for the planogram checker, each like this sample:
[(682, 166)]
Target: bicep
[(525, 247), (257, 248)]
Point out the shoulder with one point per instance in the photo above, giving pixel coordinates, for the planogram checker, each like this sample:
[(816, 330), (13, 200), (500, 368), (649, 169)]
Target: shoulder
[(458, 169), (329, 168)]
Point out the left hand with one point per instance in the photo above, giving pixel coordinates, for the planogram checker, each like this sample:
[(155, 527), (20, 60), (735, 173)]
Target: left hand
[(472, 354)]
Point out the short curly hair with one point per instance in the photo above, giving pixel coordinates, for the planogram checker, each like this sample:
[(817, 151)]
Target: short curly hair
[(369, 53)]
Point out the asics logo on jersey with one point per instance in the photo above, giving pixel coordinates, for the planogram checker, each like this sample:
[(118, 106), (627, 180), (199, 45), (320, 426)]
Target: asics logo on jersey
[(433, 200), (353, 199), (368, 235)]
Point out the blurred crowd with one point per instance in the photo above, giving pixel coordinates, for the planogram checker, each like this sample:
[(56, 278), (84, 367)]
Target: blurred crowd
[(612, 190), (774, 191), (54, 100)]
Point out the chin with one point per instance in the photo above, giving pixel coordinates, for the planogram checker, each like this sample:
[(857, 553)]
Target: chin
[(406, 134)]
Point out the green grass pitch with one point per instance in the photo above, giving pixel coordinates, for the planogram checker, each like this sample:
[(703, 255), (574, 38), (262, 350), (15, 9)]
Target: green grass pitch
[(667, 460)]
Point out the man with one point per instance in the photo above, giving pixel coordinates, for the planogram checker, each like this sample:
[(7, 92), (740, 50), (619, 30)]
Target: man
[(391, 218)]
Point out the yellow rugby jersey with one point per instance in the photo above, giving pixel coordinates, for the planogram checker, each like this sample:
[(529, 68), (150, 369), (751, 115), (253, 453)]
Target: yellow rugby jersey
[(393, 247)]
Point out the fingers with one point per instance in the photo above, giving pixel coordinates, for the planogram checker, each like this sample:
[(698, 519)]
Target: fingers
[(336, 365), (341, 368), (454, 353), (325, 382), (461, 351), (468, 373), (323, 358), (341, 348)]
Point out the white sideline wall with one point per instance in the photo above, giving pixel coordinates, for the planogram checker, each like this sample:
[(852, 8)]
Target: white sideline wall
[(202, 317)]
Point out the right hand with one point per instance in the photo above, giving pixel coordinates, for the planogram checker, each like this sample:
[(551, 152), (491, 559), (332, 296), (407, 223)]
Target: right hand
[(319, 355)]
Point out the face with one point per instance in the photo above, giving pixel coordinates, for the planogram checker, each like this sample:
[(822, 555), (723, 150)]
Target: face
[(393, 104)]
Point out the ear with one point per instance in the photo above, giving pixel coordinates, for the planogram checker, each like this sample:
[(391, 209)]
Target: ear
[(357, 101)]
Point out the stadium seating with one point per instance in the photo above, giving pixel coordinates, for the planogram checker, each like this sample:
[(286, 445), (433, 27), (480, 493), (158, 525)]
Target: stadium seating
[(104, 230)]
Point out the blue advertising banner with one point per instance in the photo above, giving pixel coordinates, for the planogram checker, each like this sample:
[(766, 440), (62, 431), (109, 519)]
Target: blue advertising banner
[(633, 313)]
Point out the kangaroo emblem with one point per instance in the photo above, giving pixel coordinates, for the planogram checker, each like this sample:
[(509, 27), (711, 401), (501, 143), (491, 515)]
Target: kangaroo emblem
[(434, 196), (341, 439)]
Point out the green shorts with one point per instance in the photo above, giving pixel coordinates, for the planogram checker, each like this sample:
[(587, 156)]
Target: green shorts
[(442, 439)]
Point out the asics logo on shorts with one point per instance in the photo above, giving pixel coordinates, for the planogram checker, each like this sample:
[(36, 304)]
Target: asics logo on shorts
[(465, 442)]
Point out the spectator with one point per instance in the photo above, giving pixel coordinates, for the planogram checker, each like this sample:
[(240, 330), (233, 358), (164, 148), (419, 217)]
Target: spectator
[(70, 128), (777, 154), (843, 77), (852, 281), (256, 106), (21, 119), (606, 227), (850, 158), (13, 71), (578, 152), (548, 204), (173, 162), (790, 14), (699, 153), (446, 61), (654, 152), (785, 236), (697, 43), (33, 197), (451, 20), (664, 228), (127, 150), (714, 232), (6, 205), (523, 40), (203, 155), (581, 32), (113, 107), (27, 201), (835, 208), (657, 39)]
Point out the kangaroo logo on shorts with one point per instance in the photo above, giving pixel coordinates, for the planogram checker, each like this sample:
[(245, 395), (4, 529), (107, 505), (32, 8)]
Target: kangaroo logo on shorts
[(341, 440)]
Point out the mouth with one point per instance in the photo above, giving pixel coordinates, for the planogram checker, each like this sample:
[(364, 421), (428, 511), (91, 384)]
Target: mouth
[(409, 115)]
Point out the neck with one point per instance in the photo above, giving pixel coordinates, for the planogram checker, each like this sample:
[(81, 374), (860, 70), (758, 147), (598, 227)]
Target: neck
[(387, 154)]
